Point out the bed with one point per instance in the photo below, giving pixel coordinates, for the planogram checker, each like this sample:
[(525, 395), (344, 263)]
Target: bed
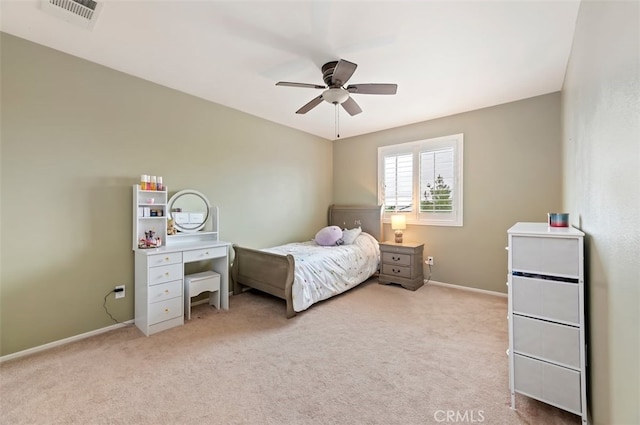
[(274, 270)]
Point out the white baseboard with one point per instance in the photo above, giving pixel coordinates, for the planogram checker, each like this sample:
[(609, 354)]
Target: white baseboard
[(467, 288), (128, 322), (63, 341)]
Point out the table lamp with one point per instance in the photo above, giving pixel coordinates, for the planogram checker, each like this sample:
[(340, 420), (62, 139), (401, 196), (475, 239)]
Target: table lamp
[(398, 223)]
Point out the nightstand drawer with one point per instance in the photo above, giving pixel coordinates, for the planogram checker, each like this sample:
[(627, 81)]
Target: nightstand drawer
[(164, 274), (165, 310), (205, 254), (395, 270), (395, 258)]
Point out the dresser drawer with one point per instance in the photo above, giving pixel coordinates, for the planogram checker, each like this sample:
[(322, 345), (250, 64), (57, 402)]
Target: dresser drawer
[(394, 270), (165, 291), (395, 258), (164, 259), (552, 384), (165, 310), (545, 255), (205, 253), (548, 341), (546, 299), (164, 274)]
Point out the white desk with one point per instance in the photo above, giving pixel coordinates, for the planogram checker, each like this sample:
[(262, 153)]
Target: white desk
[(159, 281)]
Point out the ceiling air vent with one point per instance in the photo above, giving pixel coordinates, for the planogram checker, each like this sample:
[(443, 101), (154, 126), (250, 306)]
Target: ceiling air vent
[(80, 12)]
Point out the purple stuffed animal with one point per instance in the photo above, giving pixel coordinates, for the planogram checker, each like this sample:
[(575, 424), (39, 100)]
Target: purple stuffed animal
[(329, 236)]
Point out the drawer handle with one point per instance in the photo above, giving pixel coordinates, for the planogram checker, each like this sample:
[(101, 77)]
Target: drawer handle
[(166, 291), (166, 310), (206, 253), (166, 258), (395, 271), (395, 258)]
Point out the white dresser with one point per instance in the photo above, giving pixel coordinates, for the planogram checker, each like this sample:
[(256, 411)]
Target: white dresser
[(547, 349)]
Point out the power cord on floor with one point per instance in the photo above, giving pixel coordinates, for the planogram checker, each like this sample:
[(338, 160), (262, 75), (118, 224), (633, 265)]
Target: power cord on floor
[(428, 277), (104, 305)]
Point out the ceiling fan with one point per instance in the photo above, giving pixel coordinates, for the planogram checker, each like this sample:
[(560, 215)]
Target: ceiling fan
[(335, 75)]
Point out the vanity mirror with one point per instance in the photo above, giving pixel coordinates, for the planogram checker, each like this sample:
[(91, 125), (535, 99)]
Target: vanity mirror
[(190, 210)]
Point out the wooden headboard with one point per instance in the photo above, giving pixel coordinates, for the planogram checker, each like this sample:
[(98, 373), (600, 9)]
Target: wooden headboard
[(369, 217)]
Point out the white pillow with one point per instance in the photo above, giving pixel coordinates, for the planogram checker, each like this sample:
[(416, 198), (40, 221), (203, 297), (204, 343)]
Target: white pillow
[(348, 236)]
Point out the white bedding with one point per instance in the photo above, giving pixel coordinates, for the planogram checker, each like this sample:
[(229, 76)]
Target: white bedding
[(324, 271)]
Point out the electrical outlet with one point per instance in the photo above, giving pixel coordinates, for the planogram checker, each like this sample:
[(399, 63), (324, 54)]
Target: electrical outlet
[(119, 291), (430, 261)]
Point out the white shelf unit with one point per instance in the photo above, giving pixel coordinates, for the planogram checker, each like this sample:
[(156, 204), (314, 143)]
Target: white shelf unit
[(144, 202), (547, 346), (209, 233)]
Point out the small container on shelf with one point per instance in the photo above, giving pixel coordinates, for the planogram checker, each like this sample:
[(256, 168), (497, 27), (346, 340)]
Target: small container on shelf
[(558, 219)]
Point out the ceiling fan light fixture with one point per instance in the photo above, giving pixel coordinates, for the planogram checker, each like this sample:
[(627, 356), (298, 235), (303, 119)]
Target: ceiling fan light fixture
[(335, 95)]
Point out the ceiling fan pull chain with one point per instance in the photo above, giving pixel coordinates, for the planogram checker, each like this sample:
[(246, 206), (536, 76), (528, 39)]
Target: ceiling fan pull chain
[(337, 121)]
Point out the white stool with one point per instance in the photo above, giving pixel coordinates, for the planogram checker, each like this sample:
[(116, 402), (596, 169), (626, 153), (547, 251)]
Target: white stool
[(197, 283)]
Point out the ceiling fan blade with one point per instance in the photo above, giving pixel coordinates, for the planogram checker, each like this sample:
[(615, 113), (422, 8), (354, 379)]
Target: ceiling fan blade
[(342, 72), (373, 88), (309, 106), (311, 86), (351, 106)]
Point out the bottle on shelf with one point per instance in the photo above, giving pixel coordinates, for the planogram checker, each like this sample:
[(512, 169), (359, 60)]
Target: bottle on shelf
[(153, 183), (159, 185)]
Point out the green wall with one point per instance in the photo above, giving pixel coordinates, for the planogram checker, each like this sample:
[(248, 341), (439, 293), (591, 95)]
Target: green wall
[(76, 136), (601, 140), (512, 172)]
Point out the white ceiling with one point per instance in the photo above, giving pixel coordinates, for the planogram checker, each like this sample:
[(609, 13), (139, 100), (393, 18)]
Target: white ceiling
[(447, 57)]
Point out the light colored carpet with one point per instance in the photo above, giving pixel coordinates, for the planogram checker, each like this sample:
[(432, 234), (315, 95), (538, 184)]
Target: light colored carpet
[(374, 355)]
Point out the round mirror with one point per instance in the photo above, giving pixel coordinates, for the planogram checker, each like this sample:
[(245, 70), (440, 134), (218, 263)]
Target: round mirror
[(189, 210)]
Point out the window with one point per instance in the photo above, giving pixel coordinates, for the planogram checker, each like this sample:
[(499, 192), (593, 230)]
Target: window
[(422, 180)]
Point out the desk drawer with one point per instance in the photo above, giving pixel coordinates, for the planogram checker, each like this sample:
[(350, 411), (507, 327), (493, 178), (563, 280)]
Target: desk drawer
[(205, 253), (553, 384), (546, 299), (395, 270), (164, 259), (548, 341), (395, 258), (165, 310), (165, 291), (164, 274)]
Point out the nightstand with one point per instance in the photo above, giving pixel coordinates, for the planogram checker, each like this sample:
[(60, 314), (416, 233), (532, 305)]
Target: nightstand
[(402, 264)]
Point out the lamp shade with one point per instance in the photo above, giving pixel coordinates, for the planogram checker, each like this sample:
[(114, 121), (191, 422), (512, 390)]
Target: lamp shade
[(398, 222)]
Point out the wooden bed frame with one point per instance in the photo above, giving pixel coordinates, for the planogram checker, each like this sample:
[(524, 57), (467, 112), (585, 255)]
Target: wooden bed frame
[(274, 273)]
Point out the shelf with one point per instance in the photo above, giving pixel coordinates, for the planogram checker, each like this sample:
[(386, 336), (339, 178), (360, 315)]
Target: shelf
[(185, 235)]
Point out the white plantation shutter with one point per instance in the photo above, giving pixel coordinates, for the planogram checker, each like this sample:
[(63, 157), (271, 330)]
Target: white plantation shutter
[(422, 180), (437, 180), (398, 182)]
